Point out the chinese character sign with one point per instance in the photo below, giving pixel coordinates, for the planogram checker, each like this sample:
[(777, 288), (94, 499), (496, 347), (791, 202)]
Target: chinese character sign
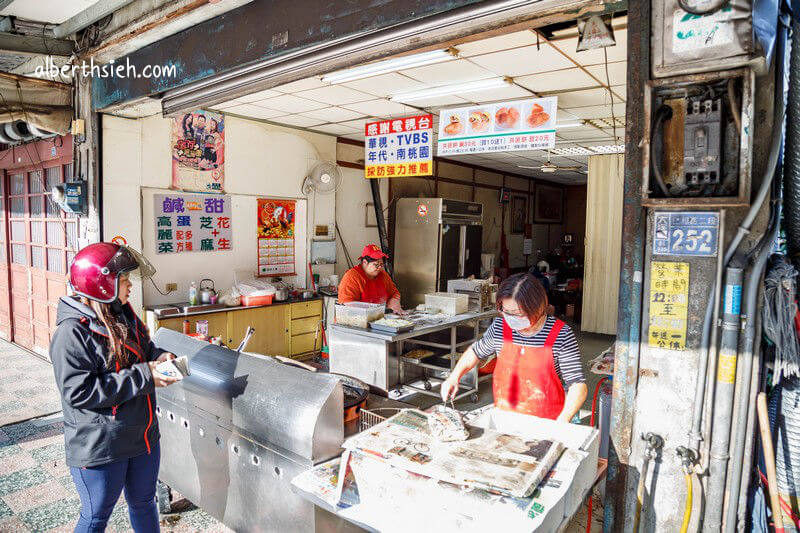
[(198, 152), (192, 223), (399, 147), (518, 125), (685, 233), (276, 223), (669, 305)]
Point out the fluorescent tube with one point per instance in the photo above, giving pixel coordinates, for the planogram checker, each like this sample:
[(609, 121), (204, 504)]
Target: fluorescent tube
[(390, 65)]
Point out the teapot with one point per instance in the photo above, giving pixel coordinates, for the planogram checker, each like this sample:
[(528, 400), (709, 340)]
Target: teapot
[(206, 293)]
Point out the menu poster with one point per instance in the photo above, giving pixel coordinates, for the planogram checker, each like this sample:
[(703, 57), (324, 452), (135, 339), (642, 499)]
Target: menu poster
[(198, 152), (399, 147), (192, 223), (276, 233), (502, 127)]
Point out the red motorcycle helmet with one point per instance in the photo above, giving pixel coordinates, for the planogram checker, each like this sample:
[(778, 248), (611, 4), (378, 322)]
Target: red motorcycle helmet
[(95, 270)]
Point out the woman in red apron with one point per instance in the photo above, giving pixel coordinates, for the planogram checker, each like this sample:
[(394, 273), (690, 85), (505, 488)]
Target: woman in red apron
[(538, 370), (369, 282)]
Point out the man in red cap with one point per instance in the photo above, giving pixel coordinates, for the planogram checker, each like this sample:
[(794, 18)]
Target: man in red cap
[(368, 282)]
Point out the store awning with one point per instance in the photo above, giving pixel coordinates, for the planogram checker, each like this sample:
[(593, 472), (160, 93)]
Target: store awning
[(42, 103)]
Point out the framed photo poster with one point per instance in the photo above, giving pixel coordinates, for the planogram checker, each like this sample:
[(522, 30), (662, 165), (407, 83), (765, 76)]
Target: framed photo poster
[(548, 204)]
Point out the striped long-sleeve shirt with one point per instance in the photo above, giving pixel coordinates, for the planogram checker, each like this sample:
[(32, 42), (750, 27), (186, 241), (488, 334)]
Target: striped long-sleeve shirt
[(566, 354)]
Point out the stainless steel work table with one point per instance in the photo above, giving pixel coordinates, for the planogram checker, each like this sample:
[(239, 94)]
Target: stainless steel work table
[(375, 357)]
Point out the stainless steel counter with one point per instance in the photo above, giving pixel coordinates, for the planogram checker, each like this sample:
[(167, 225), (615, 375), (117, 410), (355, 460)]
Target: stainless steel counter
[(373, 356)]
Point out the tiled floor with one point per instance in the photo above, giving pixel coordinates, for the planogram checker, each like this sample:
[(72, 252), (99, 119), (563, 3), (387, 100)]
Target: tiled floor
[(36, 489), (37, 493), (27, 387)]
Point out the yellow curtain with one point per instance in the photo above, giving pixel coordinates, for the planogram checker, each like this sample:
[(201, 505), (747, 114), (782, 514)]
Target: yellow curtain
[(603, 243)]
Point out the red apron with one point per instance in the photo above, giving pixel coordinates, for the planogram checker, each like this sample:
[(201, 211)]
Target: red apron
[(525, 378), (374, 289)]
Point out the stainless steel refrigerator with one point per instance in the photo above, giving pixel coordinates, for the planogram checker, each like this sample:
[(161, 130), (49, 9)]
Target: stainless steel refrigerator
[(435, 240)]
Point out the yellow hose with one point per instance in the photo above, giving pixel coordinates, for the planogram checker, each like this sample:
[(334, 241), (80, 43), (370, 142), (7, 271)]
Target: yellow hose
[(687, 512)]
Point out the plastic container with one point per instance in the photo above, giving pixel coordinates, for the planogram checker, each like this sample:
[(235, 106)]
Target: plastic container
[(359, 314), (448, 303), (193, 293), (257, 299)]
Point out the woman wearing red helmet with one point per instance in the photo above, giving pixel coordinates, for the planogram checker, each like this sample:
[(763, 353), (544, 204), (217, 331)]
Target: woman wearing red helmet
[(104, 364)]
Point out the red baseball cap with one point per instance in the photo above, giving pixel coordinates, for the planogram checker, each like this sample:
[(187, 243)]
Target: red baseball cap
[(373, 252)]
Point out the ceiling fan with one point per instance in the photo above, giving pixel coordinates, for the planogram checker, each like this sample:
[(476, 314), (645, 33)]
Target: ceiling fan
[(549, 167)]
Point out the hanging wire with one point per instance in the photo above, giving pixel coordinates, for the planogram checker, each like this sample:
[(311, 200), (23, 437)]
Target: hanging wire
[(779, 311)]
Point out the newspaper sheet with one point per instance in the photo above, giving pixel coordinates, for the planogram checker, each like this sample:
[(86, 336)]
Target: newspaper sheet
[(489, 460)]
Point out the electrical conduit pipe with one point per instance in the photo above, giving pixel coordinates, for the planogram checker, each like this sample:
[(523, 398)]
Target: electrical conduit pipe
[(752, 290), (723, 404)]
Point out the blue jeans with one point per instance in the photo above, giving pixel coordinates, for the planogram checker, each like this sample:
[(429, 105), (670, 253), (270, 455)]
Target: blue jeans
[(99, 488)]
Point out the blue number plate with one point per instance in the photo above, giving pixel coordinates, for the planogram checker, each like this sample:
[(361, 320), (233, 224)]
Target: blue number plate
[(686, 233)]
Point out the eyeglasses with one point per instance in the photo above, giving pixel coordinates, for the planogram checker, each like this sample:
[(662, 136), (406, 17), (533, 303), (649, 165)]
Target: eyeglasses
[(519, 314), (377, 263)]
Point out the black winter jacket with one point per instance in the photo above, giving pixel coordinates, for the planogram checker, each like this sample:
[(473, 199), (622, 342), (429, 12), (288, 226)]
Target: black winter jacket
[(108, 415)]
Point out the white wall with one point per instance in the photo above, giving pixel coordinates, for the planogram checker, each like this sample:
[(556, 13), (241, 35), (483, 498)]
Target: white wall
[(350, 215), (260, 160)]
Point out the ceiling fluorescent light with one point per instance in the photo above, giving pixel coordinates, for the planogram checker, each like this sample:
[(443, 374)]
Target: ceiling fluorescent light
[(390, 65), (561, 125), (452, 90)]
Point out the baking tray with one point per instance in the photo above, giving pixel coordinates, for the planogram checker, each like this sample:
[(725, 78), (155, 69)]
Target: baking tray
[(391, 329)]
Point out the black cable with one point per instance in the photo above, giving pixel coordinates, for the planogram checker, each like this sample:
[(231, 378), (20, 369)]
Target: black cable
[(707, 11), (663, 113)]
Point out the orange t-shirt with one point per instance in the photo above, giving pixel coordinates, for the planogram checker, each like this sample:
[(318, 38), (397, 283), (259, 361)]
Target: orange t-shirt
[(357, 287)]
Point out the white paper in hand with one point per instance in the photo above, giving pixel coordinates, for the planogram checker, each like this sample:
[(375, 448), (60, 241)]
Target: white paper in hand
[(175, 368)]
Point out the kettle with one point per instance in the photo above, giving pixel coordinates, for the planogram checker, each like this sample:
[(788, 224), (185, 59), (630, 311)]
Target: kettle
[(206, 292)]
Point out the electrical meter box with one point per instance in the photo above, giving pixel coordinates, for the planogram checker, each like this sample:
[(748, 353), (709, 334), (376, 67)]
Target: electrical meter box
[(683, 43), (699, 129)]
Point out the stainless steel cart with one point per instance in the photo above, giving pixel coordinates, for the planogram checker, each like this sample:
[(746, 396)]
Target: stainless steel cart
[(376, 357)]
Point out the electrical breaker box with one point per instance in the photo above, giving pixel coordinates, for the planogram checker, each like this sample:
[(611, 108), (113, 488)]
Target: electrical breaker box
[(702, 152), (702, 141), (683, 43)]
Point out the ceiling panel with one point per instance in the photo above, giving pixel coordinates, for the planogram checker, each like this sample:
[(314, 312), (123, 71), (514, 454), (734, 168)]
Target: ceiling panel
[(577, 134), (492, 95), (251, 110), (572, 78), (618, 52), (313, 82), (333, 114), (334, 129), (358, 124), (380, 108), (335, 95), (583, 98), (385, 84), (523, 61), (597, 111), (440, 101), (618, 72), (291, 104), (298, 120), (496, 44), (225, 105), (448, 72), (255, 97)]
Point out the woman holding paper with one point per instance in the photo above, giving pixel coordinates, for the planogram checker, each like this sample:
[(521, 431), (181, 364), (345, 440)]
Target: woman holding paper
[(538, 370), (104, 364)]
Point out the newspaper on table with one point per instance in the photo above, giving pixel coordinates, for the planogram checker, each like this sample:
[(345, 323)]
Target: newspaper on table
[(489, 460)]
